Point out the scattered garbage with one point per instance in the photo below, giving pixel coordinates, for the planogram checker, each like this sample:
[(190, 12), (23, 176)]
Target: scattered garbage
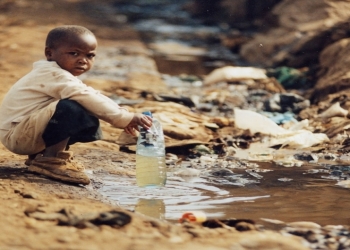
[(284, 102), (289, 77)]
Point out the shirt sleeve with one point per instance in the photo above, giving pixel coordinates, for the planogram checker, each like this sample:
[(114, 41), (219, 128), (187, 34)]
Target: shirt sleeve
[(104, 108)]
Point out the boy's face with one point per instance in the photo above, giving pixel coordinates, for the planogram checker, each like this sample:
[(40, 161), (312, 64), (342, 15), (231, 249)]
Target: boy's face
[(76, 54)]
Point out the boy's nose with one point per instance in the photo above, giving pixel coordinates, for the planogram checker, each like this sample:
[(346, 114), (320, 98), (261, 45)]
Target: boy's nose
[(83, 60)]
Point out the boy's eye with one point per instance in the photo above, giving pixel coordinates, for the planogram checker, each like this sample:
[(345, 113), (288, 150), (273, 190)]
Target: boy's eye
[(91, 55), (73, 53)]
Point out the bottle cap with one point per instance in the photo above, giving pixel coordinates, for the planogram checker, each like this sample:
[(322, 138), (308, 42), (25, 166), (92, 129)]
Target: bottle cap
[(148, 113)]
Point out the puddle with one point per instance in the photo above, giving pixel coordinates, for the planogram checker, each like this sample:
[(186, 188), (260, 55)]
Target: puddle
[(286, 194), (171, 201)]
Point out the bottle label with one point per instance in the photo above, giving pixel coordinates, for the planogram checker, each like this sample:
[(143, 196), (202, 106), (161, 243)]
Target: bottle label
[(148, 138)]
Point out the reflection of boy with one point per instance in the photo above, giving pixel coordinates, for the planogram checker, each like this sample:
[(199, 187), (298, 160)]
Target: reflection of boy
[(50, 108)]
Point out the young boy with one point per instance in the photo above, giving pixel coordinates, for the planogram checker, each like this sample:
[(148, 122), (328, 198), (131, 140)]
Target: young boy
[(50, 108)]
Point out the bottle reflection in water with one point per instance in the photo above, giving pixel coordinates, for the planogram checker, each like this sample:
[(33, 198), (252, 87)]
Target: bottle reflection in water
[(151, 207)]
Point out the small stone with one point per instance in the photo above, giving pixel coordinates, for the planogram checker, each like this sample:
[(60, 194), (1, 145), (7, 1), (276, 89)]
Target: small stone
[(31, 195), (304, 224)]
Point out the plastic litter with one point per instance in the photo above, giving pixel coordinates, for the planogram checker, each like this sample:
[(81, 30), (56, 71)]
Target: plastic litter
[(257, 123), (230, 73), (281, 118), (289, 77), (193, 216), (334, 110)]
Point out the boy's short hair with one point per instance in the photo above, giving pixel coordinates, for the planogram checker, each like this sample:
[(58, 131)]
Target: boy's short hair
[(60, 34)]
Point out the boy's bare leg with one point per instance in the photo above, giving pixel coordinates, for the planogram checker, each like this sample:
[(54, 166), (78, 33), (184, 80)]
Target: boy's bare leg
[(49, 151), (54, 149)]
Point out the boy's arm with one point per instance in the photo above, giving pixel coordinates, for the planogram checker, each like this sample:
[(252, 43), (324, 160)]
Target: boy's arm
[(98, 104)]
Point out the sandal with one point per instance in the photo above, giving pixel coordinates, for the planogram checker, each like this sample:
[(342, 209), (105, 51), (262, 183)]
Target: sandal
[(62, 168)]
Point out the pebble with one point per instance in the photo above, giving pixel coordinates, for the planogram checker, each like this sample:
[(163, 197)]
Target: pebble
[(304, 224), (188, 172)]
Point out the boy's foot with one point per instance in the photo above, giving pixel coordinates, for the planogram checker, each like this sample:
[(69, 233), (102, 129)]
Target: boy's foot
[(61, 168), (30, 159)]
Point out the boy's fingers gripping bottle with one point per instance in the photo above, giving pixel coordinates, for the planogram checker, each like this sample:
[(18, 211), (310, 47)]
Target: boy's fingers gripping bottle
[(150, 156)]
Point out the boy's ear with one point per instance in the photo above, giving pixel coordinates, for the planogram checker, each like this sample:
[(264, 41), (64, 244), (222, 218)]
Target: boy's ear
[(48, 53)]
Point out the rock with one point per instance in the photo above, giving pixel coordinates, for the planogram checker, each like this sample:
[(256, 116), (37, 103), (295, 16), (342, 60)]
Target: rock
[(30, 195), (305, 156), (64, 217), (334, 75), (269, 241), (222, 172), (188, 172), (304, 224), (236, 13), (303, 30)]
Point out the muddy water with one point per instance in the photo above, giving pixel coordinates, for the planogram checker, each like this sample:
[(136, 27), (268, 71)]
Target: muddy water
[(281, 193), (286, 194)]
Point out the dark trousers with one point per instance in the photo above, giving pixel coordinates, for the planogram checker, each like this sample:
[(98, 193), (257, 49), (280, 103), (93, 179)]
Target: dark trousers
[(73, 121)]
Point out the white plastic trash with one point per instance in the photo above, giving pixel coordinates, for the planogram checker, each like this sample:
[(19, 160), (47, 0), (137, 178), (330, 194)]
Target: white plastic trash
[(231, 73), (257, 123)]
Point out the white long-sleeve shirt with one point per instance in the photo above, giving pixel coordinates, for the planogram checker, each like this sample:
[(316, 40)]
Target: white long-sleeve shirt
[(48, 82)]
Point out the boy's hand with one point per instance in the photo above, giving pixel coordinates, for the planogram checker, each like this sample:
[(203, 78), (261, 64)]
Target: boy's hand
[(138, 120)]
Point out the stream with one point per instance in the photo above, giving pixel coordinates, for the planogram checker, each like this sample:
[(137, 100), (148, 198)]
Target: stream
[(268, 190)]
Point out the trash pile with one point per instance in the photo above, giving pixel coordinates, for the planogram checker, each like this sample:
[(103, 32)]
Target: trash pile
[(231, 112)]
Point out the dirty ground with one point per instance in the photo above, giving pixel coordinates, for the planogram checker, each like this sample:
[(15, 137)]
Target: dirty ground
[(38, 213)]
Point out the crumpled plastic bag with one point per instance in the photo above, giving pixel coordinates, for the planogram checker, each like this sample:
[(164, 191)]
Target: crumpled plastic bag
[(231, 73), (257, 123)]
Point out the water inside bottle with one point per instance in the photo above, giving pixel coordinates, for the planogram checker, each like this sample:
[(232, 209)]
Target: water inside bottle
[(150, 171)]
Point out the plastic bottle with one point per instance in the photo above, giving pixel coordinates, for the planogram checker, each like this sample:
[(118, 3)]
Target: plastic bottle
[(150, 156)]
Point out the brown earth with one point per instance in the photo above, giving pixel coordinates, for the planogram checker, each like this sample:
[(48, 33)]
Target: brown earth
[(35, 211)]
